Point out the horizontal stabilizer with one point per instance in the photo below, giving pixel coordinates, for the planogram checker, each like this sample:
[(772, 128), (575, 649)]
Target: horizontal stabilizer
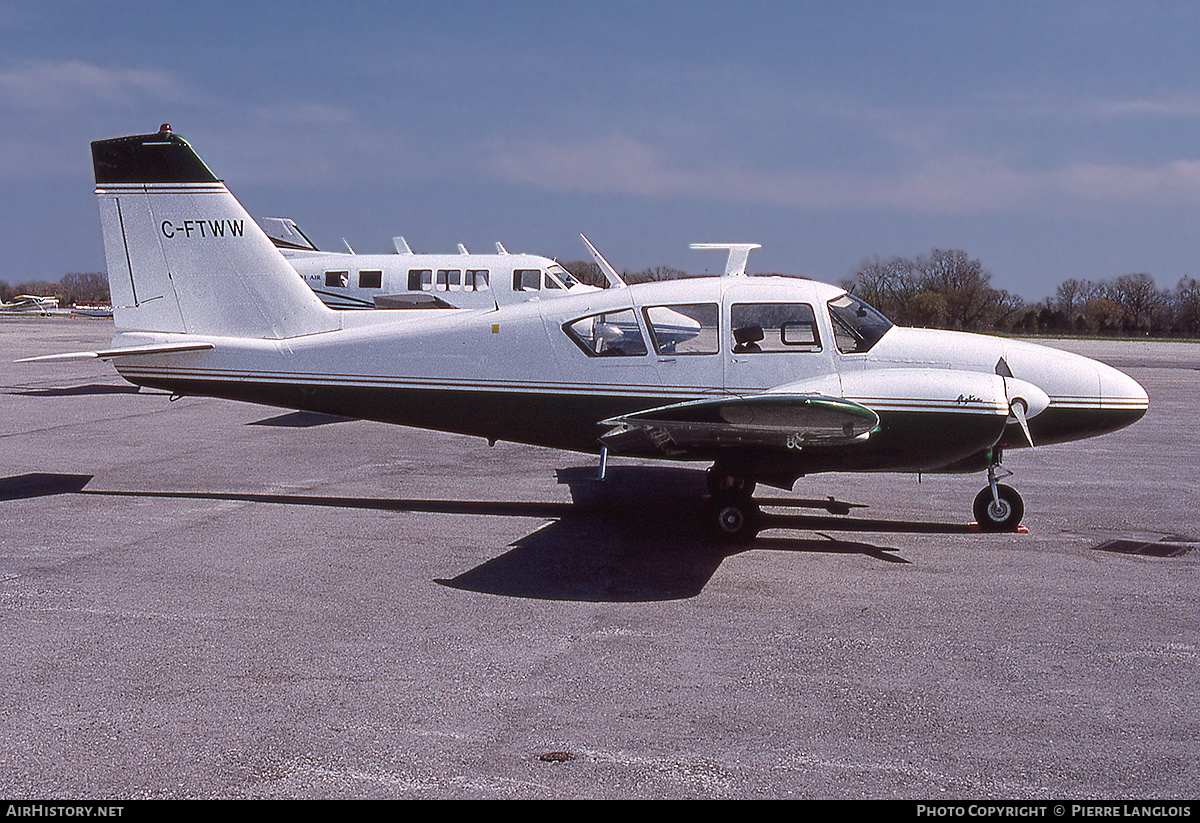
[(793, 421), (286, 235), (112, 354)]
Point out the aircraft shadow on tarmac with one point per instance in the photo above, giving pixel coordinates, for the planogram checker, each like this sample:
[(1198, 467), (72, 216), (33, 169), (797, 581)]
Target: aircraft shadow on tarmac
[(637, 536)]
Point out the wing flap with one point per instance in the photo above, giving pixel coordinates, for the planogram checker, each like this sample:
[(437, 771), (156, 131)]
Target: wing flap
[(789, 421)]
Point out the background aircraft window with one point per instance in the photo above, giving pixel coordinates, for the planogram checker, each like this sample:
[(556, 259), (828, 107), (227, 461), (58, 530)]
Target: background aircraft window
[(420, 279), (370, 279), (337, 278), (449, 280), (774, 327), (527, 279), (477, 280), (683, 329), (614, 334), (856, 326)]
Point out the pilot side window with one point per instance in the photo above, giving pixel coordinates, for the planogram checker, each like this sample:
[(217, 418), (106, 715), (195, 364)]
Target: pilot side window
[(477, 280), (614, 334), (339, 279), (527, 279), (689, 328), (420, 279), (774, 327), (370, 279)]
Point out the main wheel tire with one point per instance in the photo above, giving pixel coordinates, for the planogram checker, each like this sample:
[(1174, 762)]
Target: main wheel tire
[(733, 519), (1002, 517)]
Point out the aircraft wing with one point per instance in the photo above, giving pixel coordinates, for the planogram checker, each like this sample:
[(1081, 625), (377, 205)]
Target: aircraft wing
[(789, 421), (110, 354)]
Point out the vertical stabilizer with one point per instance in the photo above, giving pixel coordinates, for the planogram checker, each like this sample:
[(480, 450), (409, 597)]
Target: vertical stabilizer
[(184, 256)]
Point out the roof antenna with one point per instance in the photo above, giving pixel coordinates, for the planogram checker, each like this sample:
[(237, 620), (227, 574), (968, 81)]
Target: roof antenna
[(735, 266)]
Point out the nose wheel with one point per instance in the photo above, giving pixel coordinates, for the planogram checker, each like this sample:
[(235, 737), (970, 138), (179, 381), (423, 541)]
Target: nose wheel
[(998, 508)]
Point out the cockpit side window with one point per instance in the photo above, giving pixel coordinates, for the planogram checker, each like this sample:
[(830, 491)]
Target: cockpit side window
[(774, 327), (612, 334), (856, 326), (689, 328), (527, 279)]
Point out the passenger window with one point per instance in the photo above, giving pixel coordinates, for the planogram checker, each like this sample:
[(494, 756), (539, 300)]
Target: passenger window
[(339, 279), (527, 279), (449, 280), (477, 280), (774, 327), (683, 329), (615, 334), (420, 279), (370, 279)]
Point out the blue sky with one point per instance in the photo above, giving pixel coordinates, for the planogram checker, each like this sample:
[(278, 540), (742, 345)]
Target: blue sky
[(1048, 139)]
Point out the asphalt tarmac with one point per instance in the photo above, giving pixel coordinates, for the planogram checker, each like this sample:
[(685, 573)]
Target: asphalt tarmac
[(206, 599)]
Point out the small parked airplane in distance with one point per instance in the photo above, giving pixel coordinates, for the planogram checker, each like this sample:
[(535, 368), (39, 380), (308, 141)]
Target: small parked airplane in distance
[(774, 379), (406, 280), (30, 304)]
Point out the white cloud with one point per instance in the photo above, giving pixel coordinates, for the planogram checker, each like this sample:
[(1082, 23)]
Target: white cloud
[(935, 184), (75, 84)]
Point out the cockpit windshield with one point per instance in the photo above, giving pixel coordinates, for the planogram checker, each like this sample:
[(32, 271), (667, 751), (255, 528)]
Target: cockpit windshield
[(557, 277), (856, 326)]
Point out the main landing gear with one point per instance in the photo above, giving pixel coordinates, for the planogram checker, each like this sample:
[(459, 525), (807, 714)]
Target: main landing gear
[(730, 512), (998, 508)]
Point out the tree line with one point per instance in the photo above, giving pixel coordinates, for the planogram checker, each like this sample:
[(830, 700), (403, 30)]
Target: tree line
[(75, 287), (948, 289)]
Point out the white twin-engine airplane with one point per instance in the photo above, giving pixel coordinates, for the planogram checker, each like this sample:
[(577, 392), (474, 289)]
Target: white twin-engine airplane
[(406, 280), (775, 378)]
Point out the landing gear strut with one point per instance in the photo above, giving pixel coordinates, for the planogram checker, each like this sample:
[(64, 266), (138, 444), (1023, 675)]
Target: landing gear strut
[(998, 508), (730, 512), (724, 480)]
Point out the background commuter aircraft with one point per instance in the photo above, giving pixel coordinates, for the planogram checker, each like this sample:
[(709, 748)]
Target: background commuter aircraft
[(405, 280), (779, 377)]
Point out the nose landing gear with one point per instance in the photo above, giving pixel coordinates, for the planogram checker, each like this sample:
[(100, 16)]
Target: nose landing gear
[(998, 508)]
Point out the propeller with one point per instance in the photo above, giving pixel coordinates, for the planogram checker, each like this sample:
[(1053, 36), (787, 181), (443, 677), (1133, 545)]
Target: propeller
[(1017, 409)]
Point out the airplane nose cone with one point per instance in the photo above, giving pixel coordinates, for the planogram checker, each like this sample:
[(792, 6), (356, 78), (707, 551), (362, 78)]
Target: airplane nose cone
[(1121, 393), (1087, 398)]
